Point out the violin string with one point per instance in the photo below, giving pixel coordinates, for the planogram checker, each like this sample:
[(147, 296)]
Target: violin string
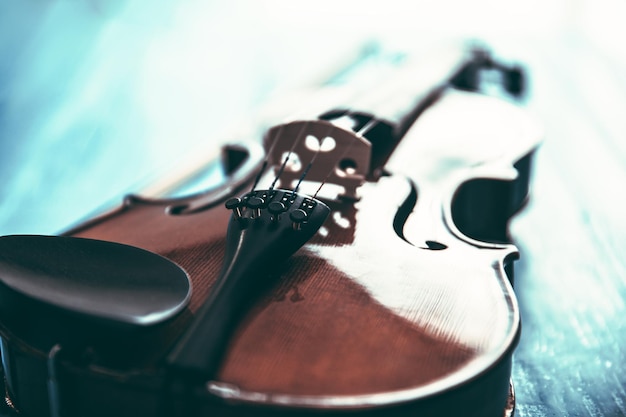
[(267, 157), (341, 157), (308, 167), (293, 146), (312, 161)]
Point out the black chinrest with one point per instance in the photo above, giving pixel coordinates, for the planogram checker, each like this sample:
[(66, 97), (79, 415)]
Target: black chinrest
[(92, 280)]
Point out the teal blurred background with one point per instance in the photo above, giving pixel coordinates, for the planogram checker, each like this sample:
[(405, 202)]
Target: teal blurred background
[(97, 97)]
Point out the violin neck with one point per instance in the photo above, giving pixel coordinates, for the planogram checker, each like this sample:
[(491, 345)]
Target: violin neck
[(367, 124)]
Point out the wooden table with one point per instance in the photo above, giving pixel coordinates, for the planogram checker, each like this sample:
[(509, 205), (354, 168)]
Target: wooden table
[(571, 280)]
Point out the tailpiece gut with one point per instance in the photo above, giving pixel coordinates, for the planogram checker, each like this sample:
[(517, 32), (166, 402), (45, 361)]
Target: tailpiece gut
[(266, 227)]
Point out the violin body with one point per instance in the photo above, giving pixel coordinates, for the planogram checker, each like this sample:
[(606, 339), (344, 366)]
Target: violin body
[(401, 303)]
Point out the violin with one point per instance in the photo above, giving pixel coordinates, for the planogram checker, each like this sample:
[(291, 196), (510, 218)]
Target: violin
[(355, 261)]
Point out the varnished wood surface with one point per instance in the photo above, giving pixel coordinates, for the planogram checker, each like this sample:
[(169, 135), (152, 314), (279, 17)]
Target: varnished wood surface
[(338, 326), (570, 280), (378, 320)]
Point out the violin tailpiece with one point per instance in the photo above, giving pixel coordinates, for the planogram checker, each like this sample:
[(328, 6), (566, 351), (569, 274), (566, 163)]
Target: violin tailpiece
[(266, 227)]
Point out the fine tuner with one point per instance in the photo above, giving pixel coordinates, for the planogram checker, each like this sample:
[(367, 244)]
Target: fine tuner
[(277, 204)]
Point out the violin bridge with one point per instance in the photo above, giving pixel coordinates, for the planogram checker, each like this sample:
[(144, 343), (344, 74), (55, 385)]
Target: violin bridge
[(342, 155)]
